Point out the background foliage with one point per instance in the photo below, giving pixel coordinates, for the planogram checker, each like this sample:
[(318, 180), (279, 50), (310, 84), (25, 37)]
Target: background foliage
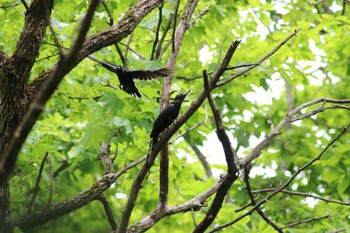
[(83, 113)]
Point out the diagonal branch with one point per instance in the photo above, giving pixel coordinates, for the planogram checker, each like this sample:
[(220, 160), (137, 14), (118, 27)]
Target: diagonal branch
[(62, 68)]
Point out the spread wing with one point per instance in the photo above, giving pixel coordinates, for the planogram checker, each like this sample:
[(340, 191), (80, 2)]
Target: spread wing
[(147, 74), (162, 121)]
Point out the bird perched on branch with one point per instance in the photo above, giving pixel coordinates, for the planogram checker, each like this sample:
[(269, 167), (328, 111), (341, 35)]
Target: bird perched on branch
[(126, 77), (166, 116)]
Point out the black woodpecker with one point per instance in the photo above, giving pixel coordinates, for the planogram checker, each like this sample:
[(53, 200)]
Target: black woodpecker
[(126, 77), (166, 116)]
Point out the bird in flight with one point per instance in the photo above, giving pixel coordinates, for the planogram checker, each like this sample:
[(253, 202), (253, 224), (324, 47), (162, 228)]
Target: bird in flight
[(126, 77)]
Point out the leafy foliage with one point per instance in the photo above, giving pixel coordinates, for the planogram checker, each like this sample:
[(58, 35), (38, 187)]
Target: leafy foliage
[(85, 112)]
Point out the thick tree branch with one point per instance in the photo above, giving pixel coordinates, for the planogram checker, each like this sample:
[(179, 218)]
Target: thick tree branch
[(103, 39), (75, 202), (66, 206), (231, 167), (63, 66)]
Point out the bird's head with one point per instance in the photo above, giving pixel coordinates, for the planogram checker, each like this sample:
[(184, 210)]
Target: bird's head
[(182, 96)]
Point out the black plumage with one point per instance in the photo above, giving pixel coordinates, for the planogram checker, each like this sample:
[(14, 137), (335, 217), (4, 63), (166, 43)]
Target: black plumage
[(126, 77), (166, 116)]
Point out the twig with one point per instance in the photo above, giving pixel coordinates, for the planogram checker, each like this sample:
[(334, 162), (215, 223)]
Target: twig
[(156, 39), (203, 160), (37, 182), (161, 41), (110, 17), (47, 57), (255, 153), (177, 3), (128, 42), (110, 23), (192, 128), (4, 7), (302, 194), (48, 21), (132, 50), (24, 4), (240, 66), (108, 211), (203, 12), (279, 189), (251, 196), (52, 184), (64, 165), (318, 110), (304, 221), (260, 61), (108, 85)]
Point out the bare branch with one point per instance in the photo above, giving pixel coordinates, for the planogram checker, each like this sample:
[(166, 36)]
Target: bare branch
[(255, 153), (156, 38), (203, 160), (251, 196), (37, 182), (52, 184), (302, 194), (203, 12), (194, 204), (304, 221), (66, 206), (108, 211), (279, 189), (260, 61)]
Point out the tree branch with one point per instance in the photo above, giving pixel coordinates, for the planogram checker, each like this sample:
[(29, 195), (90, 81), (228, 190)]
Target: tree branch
[(260, 61), (37, 182), (255, 153), (259, 210), (108, 211), (63, 67), (302, 194), (231, 167), (279, 189), (304, 221)]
